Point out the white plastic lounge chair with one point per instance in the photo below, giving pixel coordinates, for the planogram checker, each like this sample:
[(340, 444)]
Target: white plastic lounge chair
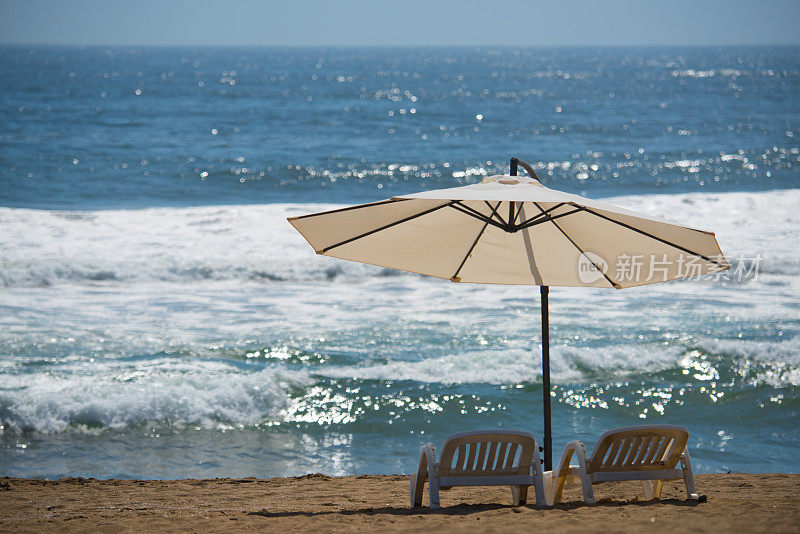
[(482, 458), (649, 453)]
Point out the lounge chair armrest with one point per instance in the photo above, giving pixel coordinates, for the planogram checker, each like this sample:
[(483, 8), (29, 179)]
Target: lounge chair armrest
[(577, 448), (429, 451), (426, 471), (427, 458), (560, 475)]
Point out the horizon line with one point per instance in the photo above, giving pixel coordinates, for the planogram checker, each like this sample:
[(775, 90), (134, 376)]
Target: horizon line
[(328, 45)]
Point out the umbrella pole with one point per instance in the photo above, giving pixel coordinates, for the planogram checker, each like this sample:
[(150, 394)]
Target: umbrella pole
[(548, 440)]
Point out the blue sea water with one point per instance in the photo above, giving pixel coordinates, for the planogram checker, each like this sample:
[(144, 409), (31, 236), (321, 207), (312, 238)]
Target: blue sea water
[(160, 319)]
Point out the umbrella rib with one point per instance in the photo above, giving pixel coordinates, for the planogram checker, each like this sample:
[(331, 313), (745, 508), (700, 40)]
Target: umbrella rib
[(504, 223), (365, 234), (458, 206), (513, 227), (524, 224), (637, 230), (348, 208), (539, 220), (519, 210), (455, 277), (610, 281)]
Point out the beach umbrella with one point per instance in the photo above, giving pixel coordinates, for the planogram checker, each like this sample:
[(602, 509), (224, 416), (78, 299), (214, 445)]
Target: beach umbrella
[(510, 229)]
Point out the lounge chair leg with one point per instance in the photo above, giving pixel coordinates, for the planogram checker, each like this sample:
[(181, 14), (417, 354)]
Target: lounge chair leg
[(543, 489), (559, 481), (658, 487), (652, 489), (417, 487), (688, 476), (433, 488), (588, 492), (519, 494), (647, 487)]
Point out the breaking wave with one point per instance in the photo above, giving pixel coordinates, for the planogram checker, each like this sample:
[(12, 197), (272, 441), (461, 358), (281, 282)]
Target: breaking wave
[(214, 394), (43, 248), (127, 394)]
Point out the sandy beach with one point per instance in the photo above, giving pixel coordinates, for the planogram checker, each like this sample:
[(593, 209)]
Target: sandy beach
[(742, 502), (233, 249)]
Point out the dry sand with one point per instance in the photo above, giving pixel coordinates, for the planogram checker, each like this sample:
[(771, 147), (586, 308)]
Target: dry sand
[(736, 503)]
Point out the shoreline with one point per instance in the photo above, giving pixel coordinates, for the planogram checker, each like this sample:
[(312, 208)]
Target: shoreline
[(747, 502)]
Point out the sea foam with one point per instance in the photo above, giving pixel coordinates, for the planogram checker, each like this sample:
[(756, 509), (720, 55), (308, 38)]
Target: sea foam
[(43, 248), (107, 395), (223, 316)]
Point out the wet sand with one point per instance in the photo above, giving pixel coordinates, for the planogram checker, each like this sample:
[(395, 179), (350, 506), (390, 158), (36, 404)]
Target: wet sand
[(736, 502)]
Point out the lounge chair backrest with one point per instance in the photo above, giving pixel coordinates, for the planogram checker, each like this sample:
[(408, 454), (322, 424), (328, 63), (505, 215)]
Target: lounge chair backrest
[(651, 447), (500, 452)]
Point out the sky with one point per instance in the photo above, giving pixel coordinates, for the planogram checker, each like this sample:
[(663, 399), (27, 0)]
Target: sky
[(400, 23)]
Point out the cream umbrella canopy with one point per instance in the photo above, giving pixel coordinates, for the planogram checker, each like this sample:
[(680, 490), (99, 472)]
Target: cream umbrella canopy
[(513, 230)]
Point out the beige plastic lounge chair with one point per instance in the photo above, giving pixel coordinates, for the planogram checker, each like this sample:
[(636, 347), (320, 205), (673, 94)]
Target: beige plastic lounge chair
[(482, 458), (649, 453)]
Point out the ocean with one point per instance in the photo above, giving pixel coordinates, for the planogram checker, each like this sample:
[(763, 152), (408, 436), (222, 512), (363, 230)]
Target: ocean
[(160, 319)]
